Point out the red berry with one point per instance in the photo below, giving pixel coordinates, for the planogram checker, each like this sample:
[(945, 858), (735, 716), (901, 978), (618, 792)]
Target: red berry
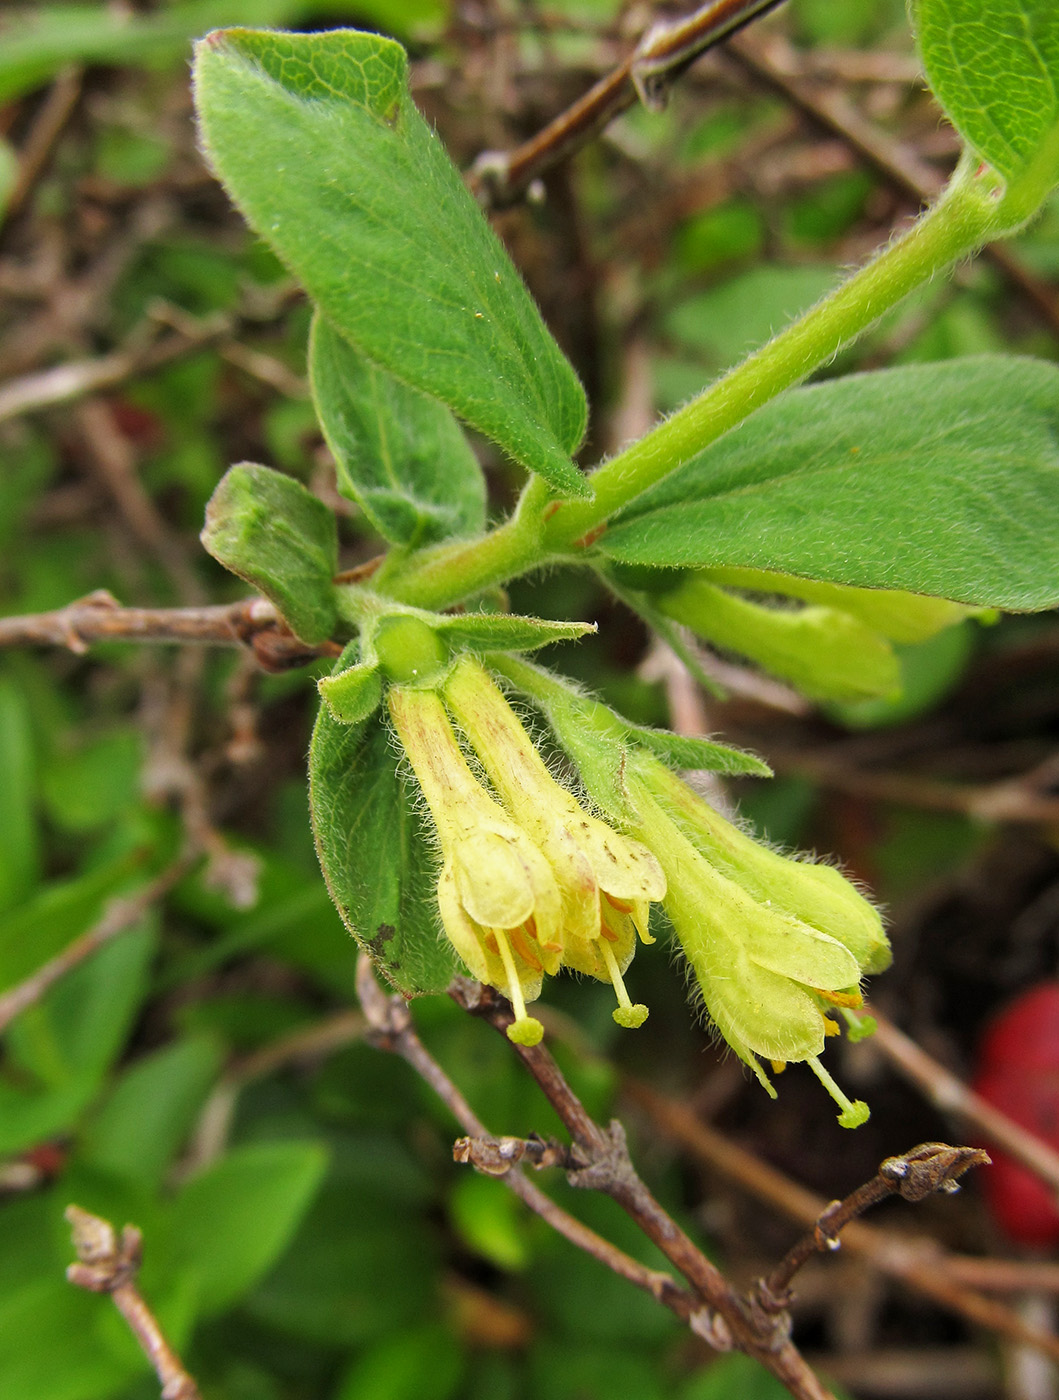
[(1018, 1072)]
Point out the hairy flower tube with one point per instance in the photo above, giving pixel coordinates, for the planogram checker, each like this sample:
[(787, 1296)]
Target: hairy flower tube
[(499, 901), (772, 947), (606, 880)]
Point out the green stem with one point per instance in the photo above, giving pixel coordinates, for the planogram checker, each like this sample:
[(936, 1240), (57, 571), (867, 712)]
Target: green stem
[(954, 227), (439, 577), (964, 218)]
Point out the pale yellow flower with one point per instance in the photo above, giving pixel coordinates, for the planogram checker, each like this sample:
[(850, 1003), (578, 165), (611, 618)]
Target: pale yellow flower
[(606, 880)]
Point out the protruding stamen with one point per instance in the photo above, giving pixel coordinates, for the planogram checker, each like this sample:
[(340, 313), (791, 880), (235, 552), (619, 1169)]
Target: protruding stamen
[(851, 999), (526, 1030), (626, 1014), (858, 1027), (854, 1112)]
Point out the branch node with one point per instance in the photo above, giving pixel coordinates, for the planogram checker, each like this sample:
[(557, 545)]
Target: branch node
[(712, 1328), (604, 1165), (930, 1167)]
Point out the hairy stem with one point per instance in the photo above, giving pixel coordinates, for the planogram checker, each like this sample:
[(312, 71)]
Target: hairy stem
[(965, 217)]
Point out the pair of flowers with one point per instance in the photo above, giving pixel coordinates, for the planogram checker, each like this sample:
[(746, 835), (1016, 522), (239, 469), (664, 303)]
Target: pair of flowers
[(531, 882)]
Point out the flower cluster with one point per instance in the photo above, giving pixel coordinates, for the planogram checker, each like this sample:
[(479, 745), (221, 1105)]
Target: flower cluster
[(776, 945), (531, 882)]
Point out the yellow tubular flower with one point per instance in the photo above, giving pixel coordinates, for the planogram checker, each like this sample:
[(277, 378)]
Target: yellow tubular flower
[(767, 977), (606, 881), (498, 899)]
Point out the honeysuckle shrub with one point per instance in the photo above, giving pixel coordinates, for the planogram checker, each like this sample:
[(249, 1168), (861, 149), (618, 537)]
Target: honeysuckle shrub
[(807, 529)]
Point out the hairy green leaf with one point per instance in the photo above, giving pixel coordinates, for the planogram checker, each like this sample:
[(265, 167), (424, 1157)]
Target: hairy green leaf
[(376, 852), (269, 530), (939, 479), (319, 143), (994, 65), (399, 453)]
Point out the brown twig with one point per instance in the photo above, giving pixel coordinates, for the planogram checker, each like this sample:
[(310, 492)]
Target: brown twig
[(112, 460), (118, 917), (391, 1029), (664, 52), (916, 1263), (252, 622), (107, 1266), (950, 1095), (603, 1164), (76, 378), (930, 1167), (48, 126), (1022, 800)]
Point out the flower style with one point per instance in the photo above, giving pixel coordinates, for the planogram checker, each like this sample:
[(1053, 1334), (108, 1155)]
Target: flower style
[(606, 880), (773, 946), (498, 898)]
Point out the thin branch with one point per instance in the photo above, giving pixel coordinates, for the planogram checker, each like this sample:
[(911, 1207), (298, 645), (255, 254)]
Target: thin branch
[(950, 1095), (664, 52), (930, 1167), (119, 916), (1025, 800), (112, 460), (391, 1029), (48, 126), (107, 1266), (607, 1167), (252, 622), (918, 1264), (76, 378)]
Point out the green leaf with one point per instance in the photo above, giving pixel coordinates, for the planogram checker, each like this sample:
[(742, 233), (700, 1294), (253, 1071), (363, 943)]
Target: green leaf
[(142, 1124), (377, 853), (490, 1220), (57, 913), (994, 65), (36, 41), (69, 1040), (19, 854), (269, 530), (89, 786), (424, 1364), (231, 1223), (317, 140), (939, 479), (79, 1027), (399, 453), (52, 1346)]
